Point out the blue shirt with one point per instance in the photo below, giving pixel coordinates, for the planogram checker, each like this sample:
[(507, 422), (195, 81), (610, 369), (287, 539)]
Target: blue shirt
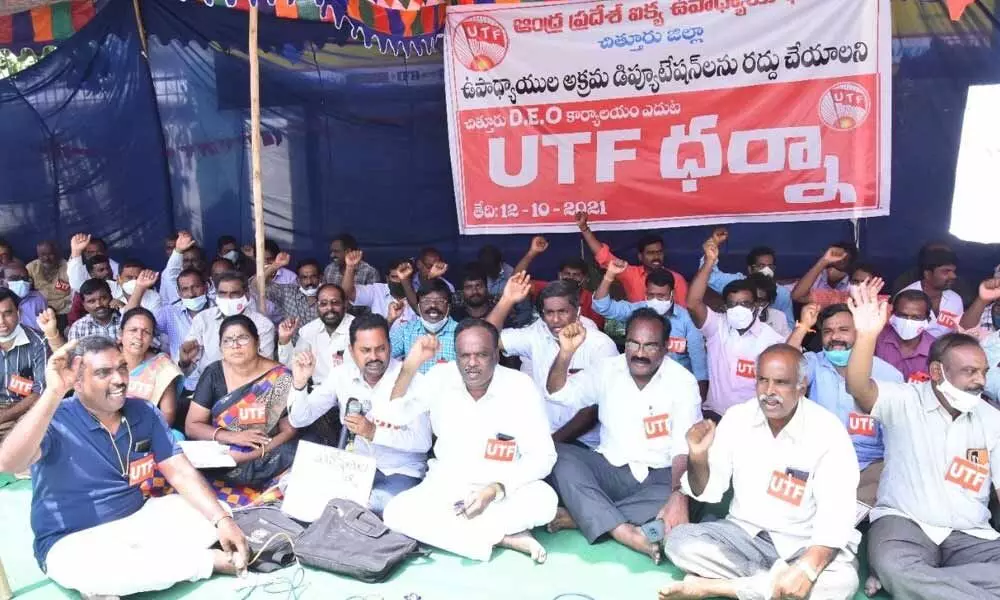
[(77, 483), (684, 336), (173, 322), (829, 389), (402, 339), (782, 299)]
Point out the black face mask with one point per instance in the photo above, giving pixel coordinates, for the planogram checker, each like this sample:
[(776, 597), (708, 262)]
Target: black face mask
[(396, 289)]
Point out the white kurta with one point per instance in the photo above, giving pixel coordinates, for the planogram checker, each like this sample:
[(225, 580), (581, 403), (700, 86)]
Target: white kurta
[(469, 455)]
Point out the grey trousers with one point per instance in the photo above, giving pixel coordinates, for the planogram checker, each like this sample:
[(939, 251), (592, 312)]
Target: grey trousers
[(600, 496), (911, 566), (723, 550)]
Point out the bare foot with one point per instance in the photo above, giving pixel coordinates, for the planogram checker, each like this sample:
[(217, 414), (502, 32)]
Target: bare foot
[(525, 543), (692, 588), (872, 585), (562, 521), (633, 537)]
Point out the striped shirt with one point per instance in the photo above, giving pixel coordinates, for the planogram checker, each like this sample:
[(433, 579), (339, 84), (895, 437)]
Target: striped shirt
[(402, 339), (25, 359)]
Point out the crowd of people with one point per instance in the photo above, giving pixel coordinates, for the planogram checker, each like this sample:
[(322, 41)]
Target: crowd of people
[(618, 399)]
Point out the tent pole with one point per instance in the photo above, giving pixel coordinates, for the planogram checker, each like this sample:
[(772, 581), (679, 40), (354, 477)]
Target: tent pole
[(255, 143), (141, 28)]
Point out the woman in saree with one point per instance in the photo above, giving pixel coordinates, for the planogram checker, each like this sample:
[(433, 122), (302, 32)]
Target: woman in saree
[(240, 401), (152, 377)]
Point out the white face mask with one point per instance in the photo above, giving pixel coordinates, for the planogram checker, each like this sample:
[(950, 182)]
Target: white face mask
[(116, 290), (232, 306), (907, 329), (310, 291), (768, 271), (197, 303), (21, 288), (960, 400), (433, 327), (231, 256), (129, 287), (739, 317), (4, 339), (660, 306)]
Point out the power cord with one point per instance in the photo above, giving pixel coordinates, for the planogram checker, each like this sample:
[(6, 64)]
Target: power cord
[(274, 583)]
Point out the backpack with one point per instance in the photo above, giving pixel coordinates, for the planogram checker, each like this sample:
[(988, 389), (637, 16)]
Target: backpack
[(264, 524), (350, 540)]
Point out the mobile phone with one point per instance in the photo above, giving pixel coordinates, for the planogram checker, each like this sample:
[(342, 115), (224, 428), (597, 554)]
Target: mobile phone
[(654, 530), (354, 407)]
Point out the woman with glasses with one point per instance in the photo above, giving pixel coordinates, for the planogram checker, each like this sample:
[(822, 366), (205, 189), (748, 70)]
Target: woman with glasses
[(153, 377), (240, 401)]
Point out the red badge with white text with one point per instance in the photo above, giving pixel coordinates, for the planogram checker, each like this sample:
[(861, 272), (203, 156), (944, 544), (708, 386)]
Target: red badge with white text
[(253, 414), (677, 345), (338, 358), (746, 368), (140, 389), (967, 474), (786, 488), (858, 424), (140, 469), (948, 319), (20, 385), (62, 286), (656, 426), (918, 377), (500, 450)]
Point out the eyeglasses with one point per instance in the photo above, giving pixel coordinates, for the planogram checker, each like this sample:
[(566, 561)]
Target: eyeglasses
[(236, 342), (745, 304), (433, 302), (648, 347)]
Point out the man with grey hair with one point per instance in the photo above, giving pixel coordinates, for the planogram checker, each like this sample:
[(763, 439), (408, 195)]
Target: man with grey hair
[(790, 529)]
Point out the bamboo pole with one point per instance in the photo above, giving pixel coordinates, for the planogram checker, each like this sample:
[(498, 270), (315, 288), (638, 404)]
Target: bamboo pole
[(255, 143), (141, 28)]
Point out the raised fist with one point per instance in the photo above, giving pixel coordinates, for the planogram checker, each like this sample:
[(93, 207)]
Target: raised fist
[(700, 437), (539, 244), (616, 267), (78, 243), (720, 234), (581, 219), (571, 337), (282, 260), (184, 241), (517, 288), (422, 351), (146, 279), (353, 258), (438, 269), (404, 271), (711, 250), (834, 255)]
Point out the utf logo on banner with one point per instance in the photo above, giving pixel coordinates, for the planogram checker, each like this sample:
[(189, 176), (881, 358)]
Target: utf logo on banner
[(786, 488), (500, 450), (967, 474), (480, 43)]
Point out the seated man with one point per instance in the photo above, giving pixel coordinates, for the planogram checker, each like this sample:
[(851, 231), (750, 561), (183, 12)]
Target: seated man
[(827, 387), (651, 256), (98, 267), (572, 269), (646, 404), (984, 311), (365, 274), (831, 273), (760, 259), (89, 454), (83, 249), (767, 291), (201, 347), (228, 249), (939, 273), (23, 352), (174, 320), (433, 306), (398, 447), (185, 255), (296, 300), (32, 302), (490, 261), (476, 299), (380, 296), (48, 272), (101, 319), (327, 337), (733, 341), (906, 343), (539, 344), (930, 535), (282, 274), (686, 345), (430, 265), (790, 528), (128, 284), (484, 487)]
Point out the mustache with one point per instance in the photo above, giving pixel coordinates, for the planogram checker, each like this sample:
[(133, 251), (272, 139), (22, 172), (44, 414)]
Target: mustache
[(838, 344), (640, 360), (769, 398)]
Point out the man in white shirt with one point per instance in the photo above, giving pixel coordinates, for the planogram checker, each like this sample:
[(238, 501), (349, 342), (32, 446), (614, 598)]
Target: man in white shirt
[(931, 536), (939, 274), (559, 305), (202, 346), (646, 404), (734, 340), (379, 297), (82, 247), (398, 446), (790, 528), (484, 487), (326, 337)]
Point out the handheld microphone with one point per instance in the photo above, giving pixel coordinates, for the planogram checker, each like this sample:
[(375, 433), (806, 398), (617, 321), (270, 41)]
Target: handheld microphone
[(354, 407)]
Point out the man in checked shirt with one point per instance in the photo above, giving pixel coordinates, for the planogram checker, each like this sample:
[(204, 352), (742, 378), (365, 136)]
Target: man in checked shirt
[(23, 353)]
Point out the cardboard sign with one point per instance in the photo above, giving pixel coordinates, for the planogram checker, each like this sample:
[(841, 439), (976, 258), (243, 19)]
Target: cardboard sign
[(141, 469), (677, 345), (786, 488), (746, 368), (20, 386), (322, 473), (859, 424), (500, 450), (967, 475), (656, 426), (253, 414)]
